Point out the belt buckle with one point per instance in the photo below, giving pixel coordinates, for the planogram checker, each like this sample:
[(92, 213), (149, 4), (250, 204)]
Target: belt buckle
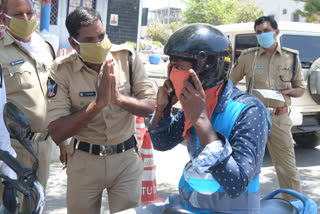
[(106, 150), (35, 136), (271, 111)]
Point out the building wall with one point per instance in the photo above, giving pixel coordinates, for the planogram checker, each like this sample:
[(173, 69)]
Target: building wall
[(128, 17), (60, 29), (277, 7), (161, 15)]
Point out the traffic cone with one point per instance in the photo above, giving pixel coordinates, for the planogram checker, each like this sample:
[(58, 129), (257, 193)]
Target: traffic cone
[(140, 130), (149, 184)]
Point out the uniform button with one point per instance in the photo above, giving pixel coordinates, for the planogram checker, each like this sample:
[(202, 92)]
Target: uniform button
[(250, 161), (186, 179)]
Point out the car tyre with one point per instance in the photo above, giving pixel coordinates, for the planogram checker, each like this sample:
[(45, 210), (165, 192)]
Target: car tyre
[(307, 140)]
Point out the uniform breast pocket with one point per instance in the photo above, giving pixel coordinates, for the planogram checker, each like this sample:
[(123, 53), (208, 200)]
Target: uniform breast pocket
[(80, 99), (285, 74), (20, 77)]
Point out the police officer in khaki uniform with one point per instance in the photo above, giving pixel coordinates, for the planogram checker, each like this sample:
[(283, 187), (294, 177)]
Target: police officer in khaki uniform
[(93, 98), (25, 58), (276, 68)]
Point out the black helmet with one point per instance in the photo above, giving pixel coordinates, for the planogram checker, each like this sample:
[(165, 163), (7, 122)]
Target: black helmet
[(206, 47)]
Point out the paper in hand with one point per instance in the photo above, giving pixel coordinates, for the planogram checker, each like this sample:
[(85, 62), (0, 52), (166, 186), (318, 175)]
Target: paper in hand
[(270, 94)]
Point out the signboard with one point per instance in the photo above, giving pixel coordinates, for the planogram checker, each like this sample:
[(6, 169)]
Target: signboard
[(114, 19)]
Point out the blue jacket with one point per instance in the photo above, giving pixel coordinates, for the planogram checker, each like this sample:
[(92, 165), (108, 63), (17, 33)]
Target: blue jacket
[(224, 176)]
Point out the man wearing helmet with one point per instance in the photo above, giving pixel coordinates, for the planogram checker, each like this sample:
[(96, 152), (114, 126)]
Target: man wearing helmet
[(226, 129)]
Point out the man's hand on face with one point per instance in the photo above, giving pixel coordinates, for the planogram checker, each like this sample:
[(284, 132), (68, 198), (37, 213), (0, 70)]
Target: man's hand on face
[(104, 90), (163, 94), (193, 100)]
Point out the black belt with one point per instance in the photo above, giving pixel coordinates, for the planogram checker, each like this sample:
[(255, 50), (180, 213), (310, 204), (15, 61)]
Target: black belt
[(38, 136), (105, 150)]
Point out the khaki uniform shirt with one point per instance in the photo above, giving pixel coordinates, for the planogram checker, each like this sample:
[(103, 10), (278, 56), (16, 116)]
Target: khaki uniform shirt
[(26, 81), (264, 72), (77, 86)]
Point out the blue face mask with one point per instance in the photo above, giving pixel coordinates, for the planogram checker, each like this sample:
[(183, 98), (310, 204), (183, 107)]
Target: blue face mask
[(266, 40)]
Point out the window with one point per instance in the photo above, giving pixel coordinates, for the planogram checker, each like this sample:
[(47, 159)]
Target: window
[(243, 42), (308, 47), (284, 11), (54, 12), (295, 17), (73, 4)]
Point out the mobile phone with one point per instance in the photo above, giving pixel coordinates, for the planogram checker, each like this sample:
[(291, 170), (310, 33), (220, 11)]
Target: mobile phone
[(169, 105)]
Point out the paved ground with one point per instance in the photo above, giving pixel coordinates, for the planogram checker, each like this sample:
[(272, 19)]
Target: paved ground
[(169, 165)]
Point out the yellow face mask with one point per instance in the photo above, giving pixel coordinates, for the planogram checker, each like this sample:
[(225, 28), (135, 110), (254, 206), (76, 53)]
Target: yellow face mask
[(94, 52), (22, 28)]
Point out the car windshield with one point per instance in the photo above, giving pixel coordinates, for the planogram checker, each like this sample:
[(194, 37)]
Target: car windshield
[(308, 47)]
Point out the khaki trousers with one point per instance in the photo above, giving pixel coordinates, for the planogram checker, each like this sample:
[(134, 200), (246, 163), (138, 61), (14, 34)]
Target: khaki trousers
[(281, 149), (43, 151), (88, 175)]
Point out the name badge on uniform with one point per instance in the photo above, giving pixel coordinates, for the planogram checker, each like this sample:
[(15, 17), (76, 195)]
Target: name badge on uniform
[(282, 68), (20, 61), (87, 94), (259, 66)]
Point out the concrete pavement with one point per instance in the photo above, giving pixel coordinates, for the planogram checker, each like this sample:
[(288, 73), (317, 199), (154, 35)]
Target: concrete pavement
[(169, 166)]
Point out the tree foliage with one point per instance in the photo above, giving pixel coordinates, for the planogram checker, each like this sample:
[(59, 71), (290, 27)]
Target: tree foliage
[(219, 12), (311, 11), (158, 32), (247, 11)]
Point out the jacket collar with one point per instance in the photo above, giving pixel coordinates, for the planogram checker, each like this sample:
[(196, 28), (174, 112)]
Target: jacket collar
[(278, 50), (224, 97), (7, 39)]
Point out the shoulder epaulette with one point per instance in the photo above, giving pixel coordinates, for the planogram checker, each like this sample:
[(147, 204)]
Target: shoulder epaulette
[(63, 59), (249, 50), (290, 50)]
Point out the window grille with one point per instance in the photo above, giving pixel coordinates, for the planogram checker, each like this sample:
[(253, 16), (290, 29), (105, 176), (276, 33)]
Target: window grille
[(54, 12), (73, 4)]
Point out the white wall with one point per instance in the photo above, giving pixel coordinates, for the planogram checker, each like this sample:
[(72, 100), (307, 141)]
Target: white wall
[(60, 29), (276, 7)]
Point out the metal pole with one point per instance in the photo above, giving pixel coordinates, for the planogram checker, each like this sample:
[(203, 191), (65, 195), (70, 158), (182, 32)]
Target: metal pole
[(168, 24), (139, 26), (45, 15)]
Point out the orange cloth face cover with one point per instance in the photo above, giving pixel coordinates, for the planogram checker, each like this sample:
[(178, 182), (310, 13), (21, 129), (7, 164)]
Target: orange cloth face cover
[(177, 77)]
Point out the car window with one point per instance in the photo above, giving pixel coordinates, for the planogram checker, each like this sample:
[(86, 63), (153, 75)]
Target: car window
[(308, 47), (242, 42)]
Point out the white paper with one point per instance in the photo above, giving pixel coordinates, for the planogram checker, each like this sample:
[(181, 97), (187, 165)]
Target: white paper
[(270, 94)]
